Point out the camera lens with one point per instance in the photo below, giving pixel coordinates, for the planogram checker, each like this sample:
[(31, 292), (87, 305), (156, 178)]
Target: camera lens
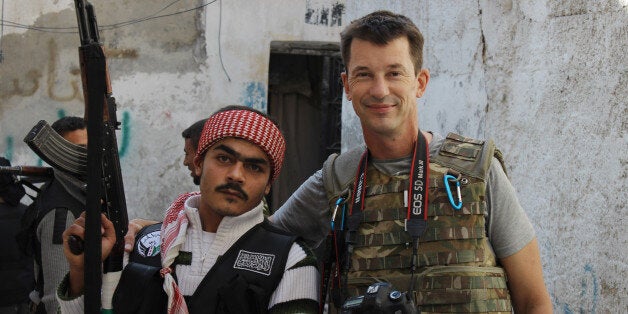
[(395, 295)]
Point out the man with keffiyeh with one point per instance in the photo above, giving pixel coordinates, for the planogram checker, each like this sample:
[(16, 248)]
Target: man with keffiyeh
[(214, 251)]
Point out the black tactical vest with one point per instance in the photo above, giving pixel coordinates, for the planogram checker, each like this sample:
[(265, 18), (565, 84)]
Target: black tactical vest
[(241, 281), (53, 197)]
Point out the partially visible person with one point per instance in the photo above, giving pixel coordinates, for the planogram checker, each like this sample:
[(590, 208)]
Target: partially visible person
[(58, 203), (16, 268), (228, 258), (191, 136)]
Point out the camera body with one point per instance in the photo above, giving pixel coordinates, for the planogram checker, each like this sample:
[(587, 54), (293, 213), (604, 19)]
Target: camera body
[(380, 297)]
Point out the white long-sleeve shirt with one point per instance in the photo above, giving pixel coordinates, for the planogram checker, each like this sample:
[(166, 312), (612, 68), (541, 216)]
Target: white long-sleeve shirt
[(298, 283)]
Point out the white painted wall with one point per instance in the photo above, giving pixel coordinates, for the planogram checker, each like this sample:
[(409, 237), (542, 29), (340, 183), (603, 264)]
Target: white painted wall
[(546, 79)]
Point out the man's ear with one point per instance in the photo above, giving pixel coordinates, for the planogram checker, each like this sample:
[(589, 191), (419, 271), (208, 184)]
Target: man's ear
[(345, 84), (267, 190), (198, 165), (422, 79)]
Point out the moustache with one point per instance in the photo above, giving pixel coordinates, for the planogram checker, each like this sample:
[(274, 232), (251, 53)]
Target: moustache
[(233, 187)]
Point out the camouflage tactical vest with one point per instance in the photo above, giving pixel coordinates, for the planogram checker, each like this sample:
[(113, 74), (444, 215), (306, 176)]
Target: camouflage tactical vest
[(457, 269)]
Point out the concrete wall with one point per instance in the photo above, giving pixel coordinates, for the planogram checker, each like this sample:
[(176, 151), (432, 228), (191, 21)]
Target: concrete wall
[(547, 80)]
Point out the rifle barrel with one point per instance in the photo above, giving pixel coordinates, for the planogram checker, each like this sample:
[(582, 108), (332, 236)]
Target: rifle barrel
[(28, 171)]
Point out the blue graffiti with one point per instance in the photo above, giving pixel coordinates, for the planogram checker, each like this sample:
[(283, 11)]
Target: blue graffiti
[(8, 152), (126, 134), (60, 113), (589, 294), (566, 309), (590, 286), (255, 96)]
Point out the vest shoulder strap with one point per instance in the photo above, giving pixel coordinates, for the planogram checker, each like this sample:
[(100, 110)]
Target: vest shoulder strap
[(52, 196), (467, 155), (339, 172), (464, 154)]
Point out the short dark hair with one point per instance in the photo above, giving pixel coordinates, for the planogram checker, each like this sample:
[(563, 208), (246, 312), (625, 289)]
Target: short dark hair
[(193, 132), (381, 27), (68, 124)]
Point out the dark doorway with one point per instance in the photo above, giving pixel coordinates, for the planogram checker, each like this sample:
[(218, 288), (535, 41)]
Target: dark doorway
[(305, 97)]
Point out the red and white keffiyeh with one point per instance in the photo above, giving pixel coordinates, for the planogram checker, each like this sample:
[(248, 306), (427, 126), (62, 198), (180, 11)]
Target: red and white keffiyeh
[(248, 125), (173, 230)]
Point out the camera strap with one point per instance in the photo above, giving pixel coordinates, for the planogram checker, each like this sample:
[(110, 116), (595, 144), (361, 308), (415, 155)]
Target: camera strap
[(416, 199), (416, 218)]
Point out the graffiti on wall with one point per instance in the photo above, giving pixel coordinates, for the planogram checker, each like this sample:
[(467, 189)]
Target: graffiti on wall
[(322, 14), (588, 296), (59, 90), (8, 151), (28, 88), (254, 96), (51, 82)]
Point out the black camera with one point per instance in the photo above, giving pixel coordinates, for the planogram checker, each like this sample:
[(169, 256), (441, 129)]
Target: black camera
[(380, 297)]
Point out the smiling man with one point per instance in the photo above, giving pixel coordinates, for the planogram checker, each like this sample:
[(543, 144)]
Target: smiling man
[(228, 258), (435, 215)]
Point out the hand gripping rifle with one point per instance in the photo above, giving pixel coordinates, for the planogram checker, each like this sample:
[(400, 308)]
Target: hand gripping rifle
[(104, 177)]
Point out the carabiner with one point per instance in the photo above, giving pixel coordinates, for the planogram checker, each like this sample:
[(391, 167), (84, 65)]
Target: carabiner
[(333, 215), (447, 178)]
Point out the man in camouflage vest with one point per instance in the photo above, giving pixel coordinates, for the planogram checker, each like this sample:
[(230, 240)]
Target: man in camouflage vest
[(468, 245)]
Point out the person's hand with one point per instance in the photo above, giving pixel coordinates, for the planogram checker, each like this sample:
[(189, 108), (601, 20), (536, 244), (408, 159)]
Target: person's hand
[(135, 226), (77, 262)]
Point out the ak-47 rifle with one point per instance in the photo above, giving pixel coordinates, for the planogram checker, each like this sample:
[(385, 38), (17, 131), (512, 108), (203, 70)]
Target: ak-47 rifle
[(58, 152), (104, 178)]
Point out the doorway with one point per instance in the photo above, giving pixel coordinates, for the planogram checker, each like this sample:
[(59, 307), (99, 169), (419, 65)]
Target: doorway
[(305, 97)]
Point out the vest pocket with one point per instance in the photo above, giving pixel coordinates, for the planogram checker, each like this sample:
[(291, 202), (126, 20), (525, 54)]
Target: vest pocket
[(462, 288), (239, 296)]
